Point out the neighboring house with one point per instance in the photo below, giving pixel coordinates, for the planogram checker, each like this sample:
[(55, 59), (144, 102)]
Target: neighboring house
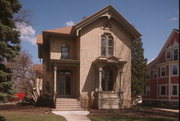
[(163, 74), (90, 61)]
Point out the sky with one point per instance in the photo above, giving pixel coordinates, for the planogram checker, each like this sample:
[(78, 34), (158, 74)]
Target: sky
[(154, 19)]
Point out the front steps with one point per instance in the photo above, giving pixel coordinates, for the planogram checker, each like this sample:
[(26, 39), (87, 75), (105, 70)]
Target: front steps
[(67, 104)]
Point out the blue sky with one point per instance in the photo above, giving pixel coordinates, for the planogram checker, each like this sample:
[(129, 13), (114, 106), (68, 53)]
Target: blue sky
[(154, 19)]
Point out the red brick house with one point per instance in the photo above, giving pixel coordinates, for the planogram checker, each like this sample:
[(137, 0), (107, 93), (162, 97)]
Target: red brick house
[(162, 85)]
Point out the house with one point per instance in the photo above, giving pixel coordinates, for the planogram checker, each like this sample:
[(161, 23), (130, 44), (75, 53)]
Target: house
[(162, 86), (90, 61)]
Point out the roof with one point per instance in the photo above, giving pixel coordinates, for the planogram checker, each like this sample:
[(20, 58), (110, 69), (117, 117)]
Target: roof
[(109, 12), (37, 67), (64, 30), (39, 39)]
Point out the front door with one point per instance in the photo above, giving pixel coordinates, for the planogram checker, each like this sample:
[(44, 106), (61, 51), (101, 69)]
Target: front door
[(65, 84)]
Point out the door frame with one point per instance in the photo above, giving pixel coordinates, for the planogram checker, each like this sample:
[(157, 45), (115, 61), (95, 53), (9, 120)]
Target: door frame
[(71, 83)]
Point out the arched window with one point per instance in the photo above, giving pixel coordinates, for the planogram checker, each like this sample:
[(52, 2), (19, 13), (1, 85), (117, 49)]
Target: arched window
[(64, 51), (106, 45)]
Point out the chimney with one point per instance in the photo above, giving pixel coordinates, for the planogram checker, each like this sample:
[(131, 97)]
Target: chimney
[(84, 17)]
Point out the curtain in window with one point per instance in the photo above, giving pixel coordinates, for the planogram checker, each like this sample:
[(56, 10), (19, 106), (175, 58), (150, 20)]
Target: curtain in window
[(65, 51), (106, 45)]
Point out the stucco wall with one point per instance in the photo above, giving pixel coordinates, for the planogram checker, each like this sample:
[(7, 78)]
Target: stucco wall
[(90, 49), (55, 47)]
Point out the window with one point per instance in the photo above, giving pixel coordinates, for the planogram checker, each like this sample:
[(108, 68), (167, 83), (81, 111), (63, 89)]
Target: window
[(162, 90), (163, 71), (147, 91), (154, 74), (168, 55), (175, 54), (148, 75), (174, 70), (174, 90), (65, 51), (106, 45)]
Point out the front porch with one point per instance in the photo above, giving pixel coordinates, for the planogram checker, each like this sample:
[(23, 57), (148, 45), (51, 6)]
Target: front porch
[(107, 95)]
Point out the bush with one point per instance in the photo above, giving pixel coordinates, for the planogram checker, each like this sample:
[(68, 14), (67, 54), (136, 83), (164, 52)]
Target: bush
[(44, 101)]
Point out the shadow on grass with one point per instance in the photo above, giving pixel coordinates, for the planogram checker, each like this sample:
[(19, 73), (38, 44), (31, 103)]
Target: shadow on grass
[(2, 118)]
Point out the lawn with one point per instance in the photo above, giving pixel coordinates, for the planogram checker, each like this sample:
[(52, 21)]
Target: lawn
[(133, 114), (28, 113), (28, 116), (130, 119)]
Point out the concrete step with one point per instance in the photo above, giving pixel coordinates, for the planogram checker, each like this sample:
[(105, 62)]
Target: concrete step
[(67, 109), (68, 104)]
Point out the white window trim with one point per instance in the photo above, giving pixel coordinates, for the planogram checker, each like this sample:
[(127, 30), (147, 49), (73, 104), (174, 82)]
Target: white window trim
[(156, 74), (165, 90), (170, 54), (177, 69), (161, 72), (146, 90), (177, 54), (172, 90)]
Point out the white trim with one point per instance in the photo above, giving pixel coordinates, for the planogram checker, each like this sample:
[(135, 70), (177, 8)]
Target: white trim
[(161, 71), (172, 90), (177, 66), (155, 70), (147, 89), (160, 95), (177, 53), (168, 50)]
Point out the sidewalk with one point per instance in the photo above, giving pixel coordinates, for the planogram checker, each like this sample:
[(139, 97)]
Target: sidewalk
[(170, 110), (73, 115)]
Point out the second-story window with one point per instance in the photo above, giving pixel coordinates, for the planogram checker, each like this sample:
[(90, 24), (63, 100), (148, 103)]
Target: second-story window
[(64, 51), (168, 55), (174, 70), (176, 54), (163, 71), (107, 44), (154, 74)]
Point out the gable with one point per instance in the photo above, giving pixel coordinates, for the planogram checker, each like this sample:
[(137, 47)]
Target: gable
[(110, 13), (171, 42)]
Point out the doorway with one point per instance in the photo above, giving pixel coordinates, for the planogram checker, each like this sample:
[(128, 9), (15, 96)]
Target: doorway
[(65, 83)]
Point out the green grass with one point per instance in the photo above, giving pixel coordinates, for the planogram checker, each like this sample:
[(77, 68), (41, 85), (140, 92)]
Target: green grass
[(130, 119), (29, 116)]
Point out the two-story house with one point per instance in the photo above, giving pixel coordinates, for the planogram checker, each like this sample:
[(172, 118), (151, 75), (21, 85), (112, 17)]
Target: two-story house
[(90, 61), (162, 86)]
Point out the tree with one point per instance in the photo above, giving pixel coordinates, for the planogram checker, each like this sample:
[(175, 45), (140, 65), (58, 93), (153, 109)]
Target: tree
[(25, 75), (9, 44), (138, 68)]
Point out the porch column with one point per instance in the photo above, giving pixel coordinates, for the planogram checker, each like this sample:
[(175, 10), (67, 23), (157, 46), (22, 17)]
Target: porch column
[(55, 79), (120, 79), (100, 78)]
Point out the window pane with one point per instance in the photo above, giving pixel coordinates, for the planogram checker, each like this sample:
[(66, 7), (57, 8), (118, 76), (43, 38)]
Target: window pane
[(106, 44), (163, 90), (163, 72), (168, 55), (174, 90), (65, 51), (176, 54), (174, 70)]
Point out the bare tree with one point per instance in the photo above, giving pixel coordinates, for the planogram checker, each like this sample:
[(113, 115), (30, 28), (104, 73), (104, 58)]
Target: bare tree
[(23, 16), (24, 75)]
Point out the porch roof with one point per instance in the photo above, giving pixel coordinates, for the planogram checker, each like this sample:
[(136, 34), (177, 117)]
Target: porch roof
[(103, 61)]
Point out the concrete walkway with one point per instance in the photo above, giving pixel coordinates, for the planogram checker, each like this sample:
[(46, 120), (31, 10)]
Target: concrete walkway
[(169, 110), (73, 115)]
